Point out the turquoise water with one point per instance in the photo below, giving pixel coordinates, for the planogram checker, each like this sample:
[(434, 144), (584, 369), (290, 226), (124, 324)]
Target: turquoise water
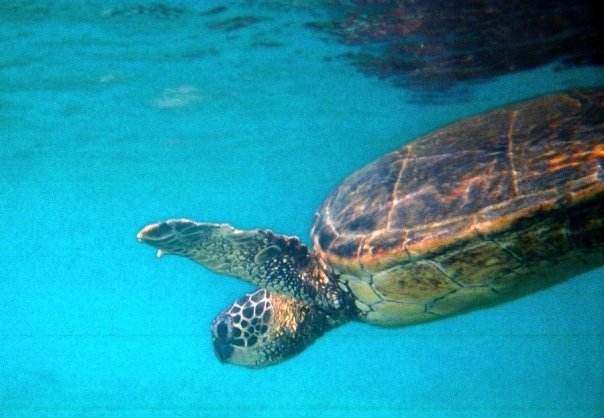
[(112, 117)]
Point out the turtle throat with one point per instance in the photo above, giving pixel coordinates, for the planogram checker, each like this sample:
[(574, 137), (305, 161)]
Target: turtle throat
[(322, 291)]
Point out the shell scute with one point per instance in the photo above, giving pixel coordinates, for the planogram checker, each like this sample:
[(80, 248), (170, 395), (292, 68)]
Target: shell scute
[(418, 282)]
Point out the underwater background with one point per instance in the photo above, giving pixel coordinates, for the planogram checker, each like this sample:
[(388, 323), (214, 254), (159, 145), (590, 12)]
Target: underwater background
[(115, 114)]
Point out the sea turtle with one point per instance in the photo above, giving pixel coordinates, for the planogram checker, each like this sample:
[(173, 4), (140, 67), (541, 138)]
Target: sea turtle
[(471, 215)]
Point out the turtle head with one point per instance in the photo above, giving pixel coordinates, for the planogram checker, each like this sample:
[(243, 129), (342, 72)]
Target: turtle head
[(263, 328)]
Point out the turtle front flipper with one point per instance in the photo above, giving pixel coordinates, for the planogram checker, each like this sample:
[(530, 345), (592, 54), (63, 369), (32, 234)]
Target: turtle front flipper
[(264, 328), (275, 262)]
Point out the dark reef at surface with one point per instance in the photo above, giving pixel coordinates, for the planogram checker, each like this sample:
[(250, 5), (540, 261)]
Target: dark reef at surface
[(430, 44)]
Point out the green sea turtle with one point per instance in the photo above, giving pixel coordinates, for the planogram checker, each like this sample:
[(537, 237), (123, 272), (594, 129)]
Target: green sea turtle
[(471, 215)]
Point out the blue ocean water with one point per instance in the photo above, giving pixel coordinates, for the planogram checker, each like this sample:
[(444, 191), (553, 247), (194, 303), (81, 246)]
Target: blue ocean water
[(114, 115)]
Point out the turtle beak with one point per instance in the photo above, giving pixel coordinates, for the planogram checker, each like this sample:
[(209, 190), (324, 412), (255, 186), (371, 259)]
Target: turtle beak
[(223, 351)]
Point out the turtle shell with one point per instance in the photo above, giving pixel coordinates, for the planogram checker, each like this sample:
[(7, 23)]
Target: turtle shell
[(489, 208)]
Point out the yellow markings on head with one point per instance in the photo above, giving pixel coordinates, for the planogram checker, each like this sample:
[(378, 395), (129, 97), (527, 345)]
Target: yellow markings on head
[(289, 313)]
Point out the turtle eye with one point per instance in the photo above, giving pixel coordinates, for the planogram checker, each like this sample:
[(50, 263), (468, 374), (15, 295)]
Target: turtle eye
[(222, 330), (222, 344)]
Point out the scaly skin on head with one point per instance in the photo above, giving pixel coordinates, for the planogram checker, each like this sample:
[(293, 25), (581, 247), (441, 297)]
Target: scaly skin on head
[(263, 328), (297, 301)]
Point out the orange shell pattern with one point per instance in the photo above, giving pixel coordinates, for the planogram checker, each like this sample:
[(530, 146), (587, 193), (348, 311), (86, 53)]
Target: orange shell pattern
[(475, 213)]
